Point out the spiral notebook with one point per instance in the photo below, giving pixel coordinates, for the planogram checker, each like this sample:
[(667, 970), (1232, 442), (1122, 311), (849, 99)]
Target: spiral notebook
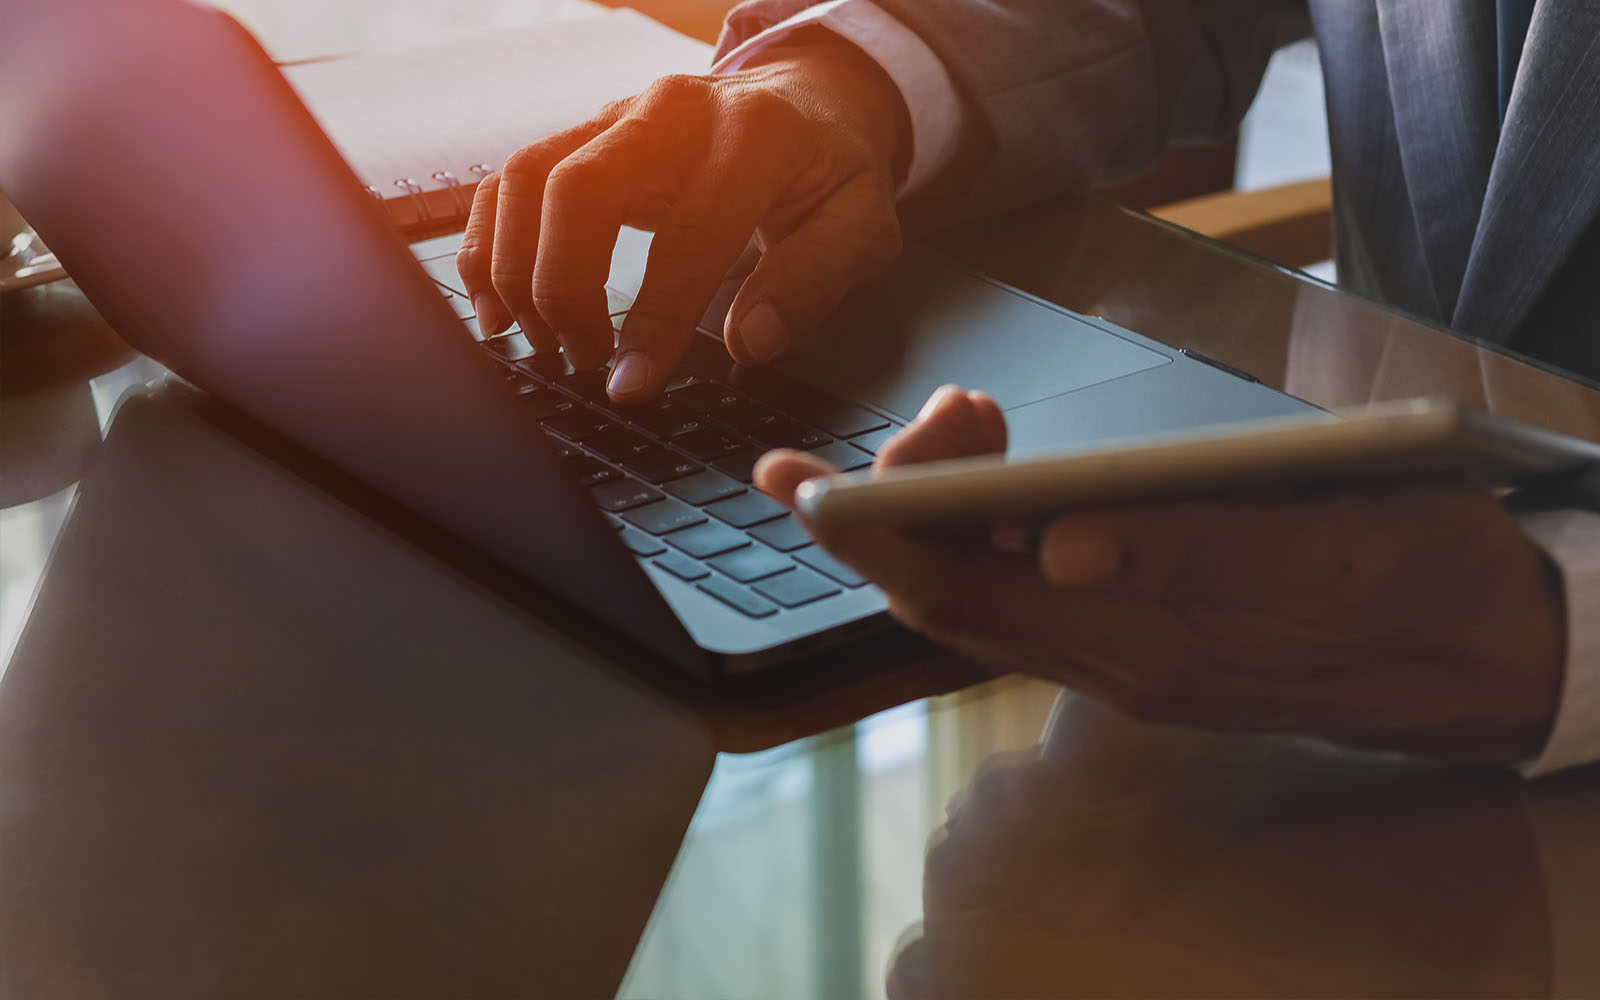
[(421, 126)]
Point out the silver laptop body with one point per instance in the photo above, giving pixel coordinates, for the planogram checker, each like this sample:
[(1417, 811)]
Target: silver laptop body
[(159, 152)]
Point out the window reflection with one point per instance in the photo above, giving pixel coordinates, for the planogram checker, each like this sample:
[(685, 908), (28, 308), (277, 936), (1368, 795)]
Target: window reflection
[(803, 867)]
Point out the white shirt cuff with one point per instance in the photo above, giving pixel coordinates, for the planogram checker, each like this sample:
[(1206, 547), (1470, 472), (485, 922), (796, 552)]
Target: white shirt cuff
[(922, 80), (1572, 539)]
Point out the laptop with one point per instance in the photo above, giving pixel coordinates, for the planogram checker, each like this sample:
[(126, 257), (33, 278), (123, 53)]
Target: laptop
[(160, 153)]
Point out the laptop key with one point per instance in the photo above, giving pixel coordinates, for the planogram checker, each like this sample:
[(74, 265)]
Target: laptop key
[(683, 567), (660, 518), (708, 443), (753, 562), (566, 452), (617, 443), (588, 385), (749, 418), (682, 379), (618, 302), (459, 303), (666, 421), (742, 511), (785, 534), (769, 427), (590, 472), (443, 270), (704, 487), (842, 456), (824, 562), (738, 598), (545, 403), (874, 440), (706, 397), (578, 423), (786, 433), (707, 356), (825, 410), (639, 543), (548, 366), (623, 494), (662, 466), (796, 587), (706, 540), (509, 346), (740, 465)]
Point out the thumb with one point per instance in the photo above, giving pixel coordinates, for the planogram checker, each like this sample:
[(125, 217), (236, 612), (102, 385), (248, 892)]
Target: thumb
[(952, 424), (846, 241), (897, 563)]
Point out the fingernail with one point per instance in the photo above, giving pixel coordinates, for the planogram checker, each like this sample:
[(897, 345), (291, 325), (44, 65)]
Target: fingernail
[(490, 320), (629, 374), (762, 332), (1081, 558), (936, 400)]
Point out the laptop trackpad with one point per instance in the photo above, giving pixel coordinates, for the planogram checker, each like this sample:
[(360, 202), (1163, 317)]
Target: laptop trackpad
[(928, 323)]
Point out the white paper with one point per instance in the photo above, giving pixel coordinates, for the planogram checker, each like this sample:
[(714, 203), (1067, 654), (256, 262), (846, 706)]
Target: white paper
[(410, 113)]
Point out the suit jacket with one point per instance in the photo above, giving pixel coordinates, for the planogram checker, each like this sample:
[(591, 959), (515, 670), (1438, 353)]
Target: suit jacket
[(1438, 210)]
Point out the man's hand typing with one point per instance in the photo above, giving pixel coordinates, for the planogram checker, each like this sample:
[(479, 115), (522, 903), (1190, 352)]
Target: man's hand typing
[(802, 152)]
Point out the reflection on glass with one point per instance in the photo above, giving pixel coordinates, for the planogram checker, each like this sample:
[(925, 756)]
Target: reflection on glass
[(26, 534), (1126, 860), (803, 867)]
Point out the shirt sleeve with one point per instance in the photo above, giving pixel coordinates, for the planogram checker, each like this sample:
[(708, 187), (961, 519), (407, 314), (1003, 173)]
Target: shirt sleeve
[(924, 83), (1572, 539)]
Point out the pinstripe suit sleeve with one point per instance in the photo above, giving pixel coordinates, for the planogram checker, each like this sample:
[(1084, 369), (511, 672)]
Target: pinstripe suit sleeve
[(1065, 94)]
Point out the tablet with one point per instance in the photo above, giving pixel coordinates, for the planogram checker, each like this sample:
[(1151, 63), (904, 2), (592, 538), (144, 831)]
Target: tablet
[(1408, 439)]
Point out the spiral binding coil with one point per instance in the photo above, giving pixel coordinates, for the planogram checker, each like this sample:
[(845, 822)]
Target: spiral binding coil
[(418, 202), (450, 184), (425, 218)]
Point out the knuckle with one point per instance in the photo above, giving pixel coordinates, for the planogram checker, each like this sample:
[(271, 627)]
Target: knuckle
[(679, 88), (471, 260), (524, 163), (510, 281), (581, 173), (555, 300), (759, 106), (613, 110)]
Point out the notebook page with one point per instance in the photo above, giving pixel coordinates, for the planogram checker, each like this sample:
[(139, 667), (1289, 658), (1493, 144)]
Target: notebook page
[(412, 112)]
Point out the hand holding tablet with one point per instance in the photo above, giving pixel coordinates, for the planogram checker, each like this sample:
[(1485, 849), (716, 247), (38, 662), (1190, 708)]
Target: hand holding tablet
[(1401, 440)]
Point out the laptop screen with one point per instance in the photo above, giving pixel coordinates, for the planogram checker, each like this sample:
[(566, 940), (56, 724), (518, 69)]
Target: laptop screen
[(162, 156)]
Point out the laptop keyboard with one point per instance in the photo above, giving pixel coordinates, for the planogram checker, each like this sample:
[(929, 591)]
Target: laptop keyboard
[(674, 477)]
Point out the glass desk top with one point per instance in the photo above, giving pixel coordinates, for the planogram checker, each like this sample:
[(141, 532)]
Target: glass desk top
[(829, 857), (967, 836)]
